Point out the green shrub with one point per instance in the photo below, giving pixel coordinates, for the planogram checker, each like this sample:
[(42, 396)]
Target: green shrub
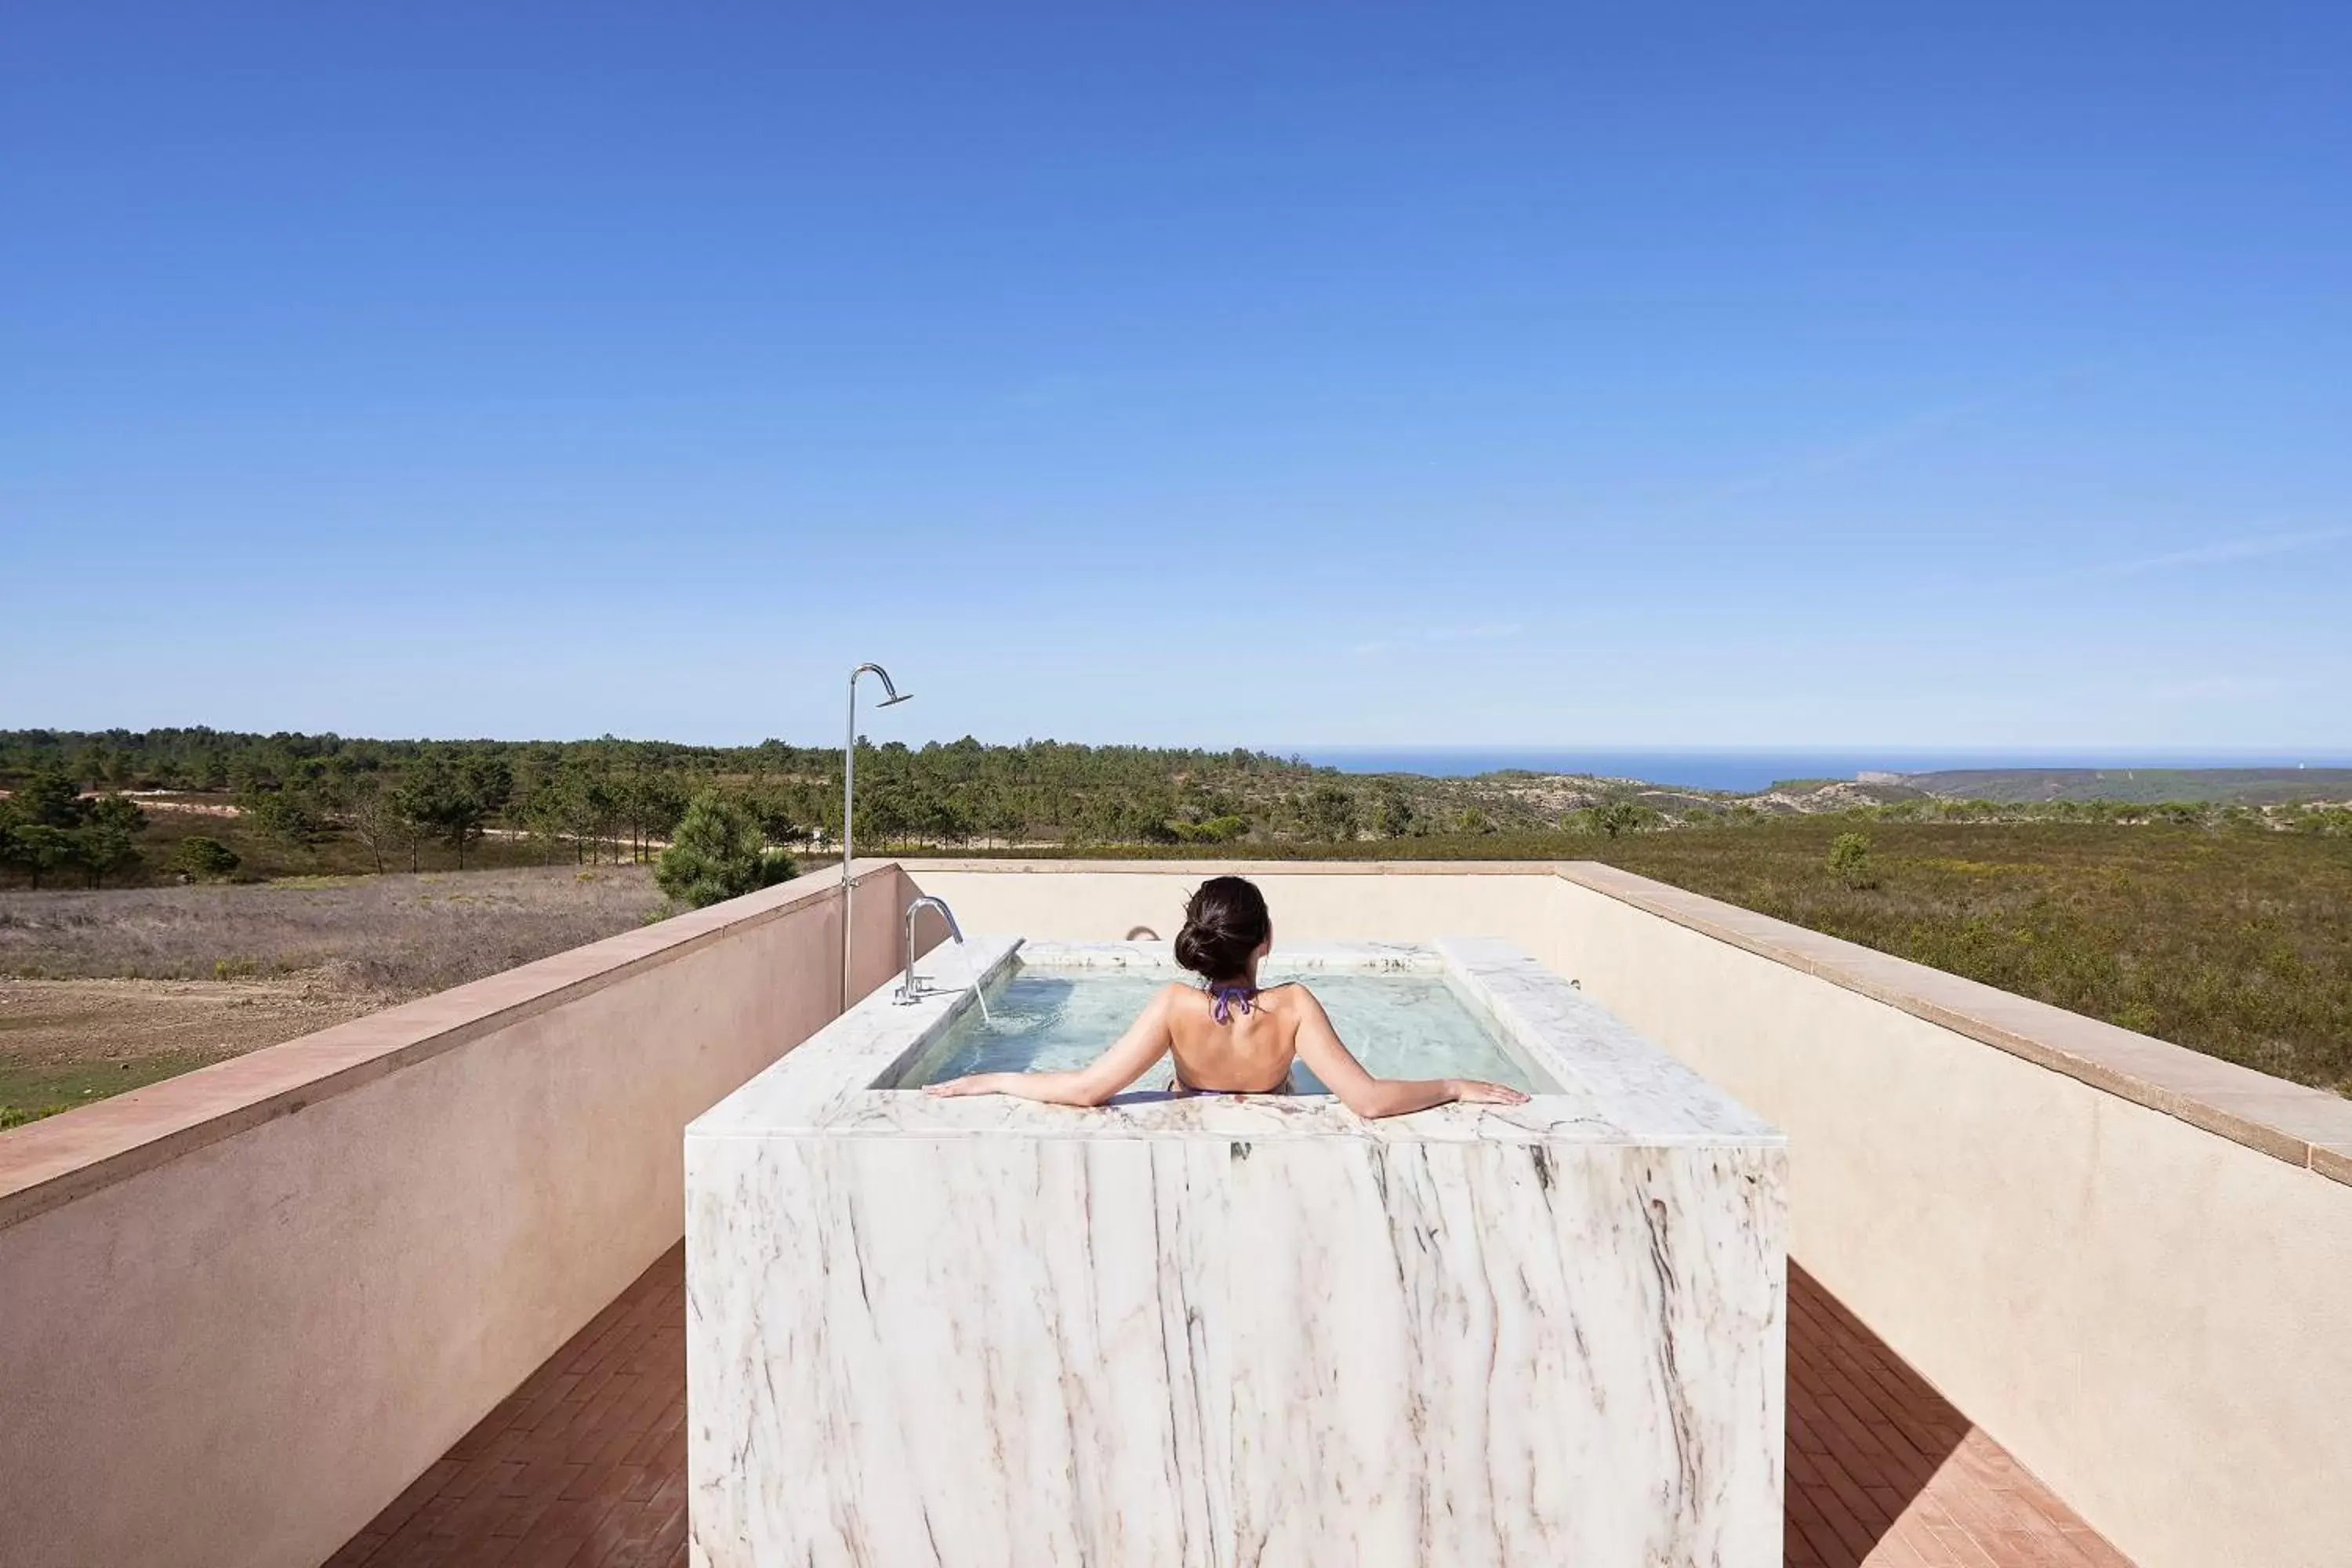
[(1215, 830), (720, 852), (118, 814), (1850, 860), (203, 859), (1394, 815), (285, 818), (103, 849), (1330, 813), (40, 848), (1614, 818)]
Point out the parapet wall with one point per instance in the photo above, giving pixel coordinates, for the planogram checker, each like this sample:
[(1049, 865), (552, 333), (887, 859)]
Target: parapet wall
[(240, 1310), (2128, 1262)]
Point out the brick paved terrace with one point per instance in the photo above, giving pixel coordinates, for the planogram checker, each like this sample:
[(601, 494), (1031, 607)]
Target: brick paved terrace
[(584, 1465)]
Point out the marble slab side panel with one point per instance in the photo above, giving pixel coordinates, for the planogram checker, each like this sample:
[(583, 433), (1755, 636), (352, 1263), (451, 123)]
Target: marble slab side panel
[(1478, 1355), (1207, 1353), (974, 1354)]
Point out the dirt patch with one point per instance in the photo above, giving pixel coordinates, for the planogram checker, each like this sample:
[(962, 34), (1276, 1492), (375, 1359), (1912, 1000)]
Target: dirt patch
[(66, 1042), (77, 1022)]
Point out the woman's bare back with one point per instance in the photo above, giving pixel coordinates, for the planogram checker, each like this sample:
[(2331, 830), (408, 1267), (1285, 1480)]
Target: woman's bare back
[(1249, 1052)]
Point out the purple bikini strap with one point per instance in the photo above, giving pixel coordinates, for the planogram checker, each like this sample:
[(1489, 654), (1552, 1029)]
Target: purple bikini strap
[(1228, 997)]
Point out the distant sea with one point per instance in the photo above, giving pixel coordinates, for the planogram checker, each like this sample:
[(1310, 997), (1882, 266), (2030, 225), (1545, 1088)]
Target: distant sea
[(1734, 770)]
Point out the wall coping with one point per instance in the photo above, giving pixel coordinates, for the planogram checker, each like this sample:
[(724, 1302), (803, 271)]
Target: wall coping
[(2290, 1121), (61, 1157)]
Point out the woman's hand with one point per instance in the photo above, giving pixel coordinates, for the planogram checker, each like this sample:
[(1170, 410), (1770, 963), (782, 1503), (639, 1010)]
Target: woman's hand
[(977, 1083), (1478, 1091)]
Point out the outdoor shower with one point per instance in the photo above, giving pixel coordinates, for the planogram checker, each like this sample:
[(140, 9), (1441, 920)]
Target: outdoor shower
[(891, 698)]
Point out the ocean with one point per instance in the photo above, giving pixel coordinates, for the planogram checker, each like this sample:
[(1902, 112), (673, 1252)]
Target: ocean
[(1746, 770)]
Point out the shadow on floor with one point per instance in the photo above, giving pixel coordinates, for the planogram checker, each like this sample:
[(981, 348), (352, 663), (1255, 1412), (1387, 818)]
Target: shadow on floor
[(1866, 1436), (1883, 1472)]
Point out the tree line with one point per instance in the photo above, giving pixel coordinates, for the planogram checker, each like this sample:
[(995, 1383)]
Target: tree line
[(609, 797), (71, 811)]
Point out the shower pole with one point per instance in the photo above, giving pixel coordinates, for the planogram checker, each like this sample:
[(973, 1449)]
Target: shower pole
[(890, 698)]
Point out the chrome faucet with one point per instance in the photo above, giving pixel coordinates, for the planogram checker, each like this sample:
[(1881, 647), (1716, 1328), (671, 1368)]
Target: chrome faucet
[(906, 991)]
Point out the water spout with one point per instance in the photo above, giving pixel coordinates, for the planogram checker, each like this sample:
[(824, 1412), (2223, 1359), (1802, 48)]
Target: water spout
[(971, 970), (909, 990)]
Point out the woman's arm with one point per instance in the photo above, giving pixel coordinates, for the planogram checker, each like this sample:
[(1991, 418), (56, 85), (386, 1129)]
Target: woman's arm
[(1145, 1042), (1373, 1098)]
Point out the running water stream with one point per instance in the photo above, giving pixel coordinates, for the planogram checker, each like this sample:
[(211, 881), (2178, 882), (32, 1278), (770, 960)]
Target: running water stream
[(972, 974)]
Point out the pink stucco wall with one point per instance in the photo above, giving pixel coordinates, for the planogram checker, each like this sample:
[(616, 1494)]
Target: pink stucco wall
[(241, 1309)]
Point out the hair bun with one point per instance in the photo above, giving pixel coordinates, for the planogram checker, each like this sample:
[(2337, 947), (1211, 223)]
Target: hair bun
[(1225, 922)]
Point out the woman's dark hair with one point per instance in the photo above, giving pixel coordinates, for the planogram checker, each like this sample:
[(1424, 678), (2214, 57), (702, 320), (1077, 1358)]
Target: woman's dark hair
[(1224, 924)]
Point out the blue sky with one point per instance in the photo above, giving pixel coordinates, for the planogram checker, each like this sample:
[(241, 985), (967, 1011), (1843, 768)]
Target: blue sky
[(1288, 375)]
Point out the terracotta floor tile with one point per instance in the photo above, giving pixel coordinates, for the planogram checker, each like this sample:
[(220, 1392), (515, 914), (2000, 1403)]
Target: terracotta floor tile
[(356, 1551)]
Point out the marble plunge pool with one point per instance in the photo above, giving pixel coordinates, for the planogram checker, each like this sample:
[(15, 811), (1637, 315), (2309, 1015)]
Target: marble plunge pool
[(1224, 1330), (1405, 1021)]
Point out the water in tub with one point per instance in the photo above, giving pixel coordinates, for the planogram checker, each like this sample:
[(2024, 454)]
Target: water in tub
[(1399, 1026)]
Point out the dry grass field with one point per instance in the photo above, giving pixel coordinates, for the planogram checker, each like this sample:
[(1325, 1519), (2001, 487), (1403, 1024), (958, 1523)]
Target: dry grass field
[(2237, 943), (102, 992)]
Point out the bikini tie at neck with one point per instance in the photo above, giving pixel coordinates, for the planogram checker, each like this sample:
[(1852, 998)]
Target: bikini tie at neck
[(1227, 997)]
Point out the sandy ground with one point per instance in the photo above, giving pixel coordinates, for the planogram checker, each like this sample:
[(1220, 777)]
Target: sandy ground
[(64, 1041)]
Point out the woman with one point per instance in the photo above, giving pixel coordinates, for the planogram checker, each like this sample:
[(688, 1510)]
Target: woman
[(1229, 1035)]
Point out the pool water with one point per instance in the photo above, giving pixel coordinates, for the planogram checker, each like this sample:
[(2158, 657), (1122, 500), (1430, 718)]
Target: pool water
[(1398, 1025)]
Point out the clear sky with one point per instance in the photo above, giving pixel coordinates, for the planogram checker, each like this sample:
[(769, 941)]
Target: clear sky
[(1283, 375)]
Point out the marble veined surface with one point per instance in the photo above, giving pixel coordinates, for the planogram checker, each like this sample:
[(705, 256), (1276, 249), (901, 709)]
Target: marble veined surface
[(1227, 1331)]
